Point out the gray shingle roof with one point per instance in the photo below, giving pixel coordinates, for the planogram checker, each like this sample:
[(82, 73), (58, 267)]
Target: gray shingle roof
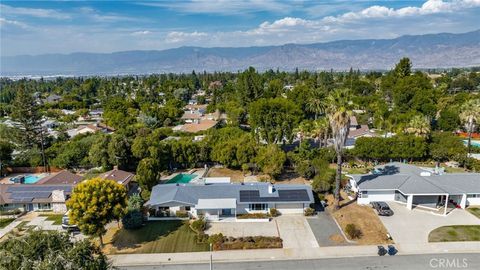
[(408, 180), (188, 194)]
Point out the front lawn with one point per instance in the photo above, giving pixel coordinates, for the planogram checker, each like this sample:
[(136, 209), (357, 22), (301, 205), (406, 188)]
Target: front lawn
[(455, 233), (475, 211), (5, 221), (56, 218), (155, 237)]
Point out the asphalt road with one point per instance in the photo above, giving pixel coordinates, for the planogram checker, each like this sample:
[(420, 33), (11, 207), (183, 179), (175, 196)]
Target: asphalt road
[(400, 262)]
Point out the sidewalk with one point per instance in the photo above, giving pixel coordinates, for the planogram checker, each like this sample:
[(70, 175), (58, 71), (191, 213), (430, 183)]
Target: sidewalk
[(287, 254)]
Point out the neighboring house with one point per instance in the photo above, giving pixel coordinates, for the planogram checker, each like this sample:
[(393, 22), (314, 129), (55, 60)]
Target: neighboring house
[(61, 178), (33, 197), (90, 129), (357, 131), (53, 98), (417, 187), (121, 177), (197, 120), (218, 201)]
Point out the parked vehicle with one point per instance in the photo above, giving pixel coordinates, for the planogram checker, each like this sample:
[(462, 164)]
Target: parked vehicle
[(392, 250), (66, 224), (381, 251), (382, 208)]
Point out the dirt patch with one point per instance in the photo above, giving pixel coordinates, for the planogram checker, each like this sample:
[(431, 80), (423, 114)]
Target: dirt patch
[(291, 177), (235, 175), (337, 238), (364, 218)]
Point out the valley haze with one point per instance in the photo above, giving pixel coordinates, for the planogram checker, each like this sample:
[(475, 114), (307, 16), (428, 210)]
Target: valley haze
[(443, 50)]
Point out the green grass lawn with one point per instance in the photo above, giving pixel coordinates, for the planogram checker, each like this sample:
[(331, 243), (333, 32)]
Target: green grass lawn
[(5, 221), (56, 218), (455, 233), (474, 210), (156, 237)]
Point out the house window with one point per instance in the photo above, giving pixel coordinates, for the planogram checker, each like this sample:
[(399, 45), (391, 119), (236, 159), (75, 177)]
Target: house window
[(44, 206), (363, 194), (187, 208), (258, 206), (473, 195)]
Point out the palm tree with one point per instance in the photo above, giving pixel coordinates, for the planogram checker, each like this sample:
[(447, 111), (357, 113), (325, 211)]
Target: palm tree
[(339, 111), (316, 102), (320, 130), (304, 129), (470, 116), (419, 125)]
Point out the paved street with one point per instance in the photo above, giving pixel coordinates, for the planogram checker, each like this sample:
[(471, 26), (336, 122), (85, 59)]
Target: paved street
[(323, 227), (410, 262)]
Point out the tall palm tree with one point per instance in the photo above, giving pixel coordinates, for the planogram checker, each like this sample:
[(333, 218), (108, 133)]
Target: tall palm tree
[(470, 116), (304, 130), (339, 111), (320, 130), (419, 125), (316, 102)]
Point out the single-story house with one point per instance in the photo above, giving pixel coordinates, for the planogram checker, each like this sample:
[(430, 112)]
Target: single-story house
[(122, 177), (226, 200), (34, 197), (61, 178), (417, 187)]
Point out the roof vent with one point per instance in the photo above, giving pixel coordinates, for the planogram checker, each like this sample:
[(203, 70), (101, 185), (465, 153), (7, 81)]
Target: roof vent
[(425, 174)]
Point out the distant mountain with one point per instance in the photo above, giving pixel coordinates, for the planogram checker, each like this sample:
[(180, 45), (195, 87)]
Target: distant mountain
[(426, 51)]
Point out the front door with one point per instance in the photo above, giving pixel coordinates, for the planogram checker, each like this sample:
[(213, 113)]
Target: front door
[(226, 212)]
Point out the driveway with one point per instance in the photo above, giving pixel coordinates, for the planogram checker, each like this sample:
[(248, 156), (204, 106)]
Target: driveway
[(242, 229), (413, 226), (326, 230), (293, 229), (295, 232)]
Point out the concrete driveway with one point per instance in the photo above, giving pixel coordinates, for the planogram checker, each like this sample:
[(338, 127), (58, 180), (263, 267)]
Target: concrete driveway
[(413, 226), (242, 229), (296, 232), (293, 229)]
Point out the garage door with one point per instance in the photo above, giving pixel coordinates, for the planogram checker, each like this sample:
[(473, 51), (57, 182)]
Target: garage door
[(290, 208)]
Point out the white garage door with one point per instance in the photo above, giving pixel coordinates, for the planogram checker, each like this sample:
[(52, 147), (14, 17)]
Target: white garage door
[(381, 196), (290, 208)]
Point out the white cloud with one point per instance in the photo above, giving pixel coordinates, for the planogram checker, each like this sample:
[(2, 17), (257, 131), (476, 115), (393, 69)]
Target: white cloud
[(5, 22), (225, 7), (176, 36), (33, 12), (141, 33)]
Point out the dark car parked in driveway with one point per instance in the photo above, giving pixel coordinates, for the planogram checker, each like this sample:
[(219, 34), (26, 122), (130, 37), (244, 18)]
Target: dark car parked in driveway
[(382, 208)]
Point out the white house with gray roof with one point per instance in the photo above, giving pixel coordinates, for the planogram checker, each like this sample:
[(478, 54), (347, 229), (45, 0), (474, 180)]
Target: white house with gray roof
[(417, 187), (226, 200)]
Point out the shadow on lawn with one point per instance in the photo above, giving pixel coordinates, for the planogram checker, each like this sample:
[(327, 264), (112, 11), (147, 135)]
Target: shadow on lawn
[(151, 231)]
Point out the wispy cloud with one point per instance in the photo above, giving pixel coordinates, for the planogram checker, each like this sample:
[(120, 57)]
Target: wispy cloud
[(33, 12), (225, 7)]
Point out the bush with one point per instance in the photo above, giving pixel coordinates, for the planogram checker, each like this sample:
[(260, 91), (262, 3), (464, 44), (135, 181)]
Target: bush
[(133, 219), (221, 242), (252, 215), (199, 225), (181, 214), (274, 212), (10, 212), (309, 211), (352, 231)]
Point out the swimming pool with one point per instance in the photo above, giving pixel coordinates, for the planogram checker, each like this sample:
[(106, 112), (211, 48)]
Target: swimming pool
[(473, 143), (26, 179), (182, 178)]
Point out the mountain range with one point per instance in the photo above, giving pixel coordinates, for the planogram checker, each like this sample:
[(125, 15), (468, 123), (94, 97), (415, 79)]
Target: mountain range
[(441, 50)]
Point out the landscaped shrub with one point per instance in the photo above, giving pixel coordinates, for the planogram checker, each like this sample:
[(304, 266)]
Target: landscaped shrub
[(274, 212), (133, 219), (199, 225), (309, 211), (10, 212), (352, 231), (221, 242), (181, 214), (252, 215)]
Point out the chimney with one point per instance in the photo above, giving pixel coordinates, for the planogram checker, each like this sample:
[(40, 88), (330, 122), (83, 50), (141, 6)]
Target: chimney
[(270, 188), (115, 167)]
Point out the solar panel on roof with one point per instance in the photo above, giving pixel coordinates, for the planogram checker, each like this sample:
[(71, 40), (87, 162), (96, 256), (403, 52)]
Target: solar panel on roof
[(292, 195), (31, 194)]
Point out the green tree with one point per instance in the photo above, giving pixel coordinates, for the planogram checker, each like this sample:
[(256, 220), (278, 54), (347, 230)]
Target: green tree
[(270, 159), (98, 153), (96, 202), (448, 120), (339, 112), (273, 120), (419, 125), (6, 150), (403, 68), (446, 146), (50, 250), (147, 173)]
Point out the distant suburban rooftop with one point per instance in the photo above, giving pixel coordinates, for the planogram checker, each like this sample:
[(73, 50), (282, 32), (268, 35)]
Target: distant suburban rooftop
[(63, 177), (410, 179), (24, 193), (190, 194), (119, 176)]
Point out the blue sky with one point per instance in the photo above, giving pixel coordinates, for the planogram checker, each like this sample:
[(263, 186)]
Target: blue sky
[(37, 27)]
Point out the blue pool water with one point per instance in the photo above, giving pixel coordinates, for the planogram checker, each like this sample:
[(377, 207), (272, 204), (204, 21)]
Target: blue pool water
[(181, 178), (31, 179), (474, 143)]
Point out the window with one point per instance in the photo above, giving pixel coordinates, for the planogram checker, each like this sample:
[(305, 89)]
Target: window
[(44, 206), (187, 208), (258, 206), (473, 195)]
